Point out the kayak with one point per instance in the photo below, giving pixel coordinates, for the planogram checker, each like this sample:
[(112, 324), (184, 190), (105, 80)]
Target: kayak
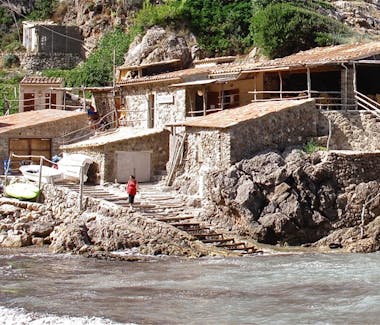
[(22, 191)]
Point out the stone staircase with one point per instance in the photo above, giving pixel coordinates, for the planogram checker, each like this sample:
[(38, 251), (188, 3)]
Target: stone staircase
[(157, 201)]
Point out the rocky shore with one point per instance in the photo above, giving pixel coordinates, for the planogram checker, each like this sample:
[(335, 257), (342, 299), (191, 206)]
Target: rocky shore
[(99, 230), (326, 199)]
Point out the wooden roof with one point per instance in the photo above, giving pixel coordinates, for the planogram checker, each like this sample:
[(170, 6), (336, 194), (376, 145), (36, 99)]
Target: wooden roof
[(230, 117), (33, 118)]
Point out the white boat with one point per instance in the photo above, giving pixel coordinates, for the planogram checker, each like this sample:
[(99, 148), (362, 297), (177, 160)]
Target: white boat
[(68, 168), (71, 164), (48, 175)]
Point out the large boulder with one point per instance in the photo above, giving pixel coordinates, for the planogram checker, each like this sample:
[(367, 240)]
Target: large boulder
[(159, 45)]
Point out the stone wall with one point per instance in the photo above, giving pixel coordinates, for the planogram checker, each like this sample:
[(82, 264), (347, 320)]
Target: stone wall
[(40, 62), (216, 149), (169, 106), (351, 130), (354, 167), (277, 130)]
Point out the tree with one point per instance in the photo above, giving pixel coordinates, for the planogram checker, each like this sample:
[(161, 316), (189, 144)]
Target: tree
[(282, 29)]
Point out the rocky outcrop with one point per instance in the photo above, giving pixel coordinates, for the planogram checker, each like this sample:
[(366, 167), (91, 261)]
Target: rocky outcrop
[(294, 198), (159, 45), (363, 16), (97, 231)]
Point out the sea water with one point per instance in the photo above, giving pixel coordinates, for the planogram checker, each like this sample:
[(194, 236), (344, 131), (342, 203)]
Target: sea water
[(42, 288)]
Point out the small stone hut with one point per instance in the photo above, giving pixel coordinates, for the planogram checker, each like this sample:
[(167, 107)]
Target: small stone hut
[(37, 132), (216, 141), (124, 152)]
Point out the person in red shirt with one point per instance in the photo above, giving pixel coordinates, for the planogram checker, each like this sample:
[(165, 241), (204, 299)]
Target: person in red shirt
[(132, 189)]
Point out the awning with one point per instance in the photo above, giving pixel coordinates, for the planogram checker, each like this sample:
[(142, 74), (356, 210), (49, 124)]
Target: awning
[(194, 83)]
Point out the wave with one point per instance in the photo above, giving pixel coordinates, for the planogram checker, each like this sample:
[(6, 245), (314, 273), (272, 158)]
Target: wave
[(16, 316)]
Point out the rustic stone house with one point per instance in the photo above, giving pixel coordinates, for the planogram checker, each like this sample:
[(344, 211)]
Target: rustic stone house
[(127, 151), (37, 133), (36, 93), (338, 77), (216, 141), (49, 45), (48, 38)]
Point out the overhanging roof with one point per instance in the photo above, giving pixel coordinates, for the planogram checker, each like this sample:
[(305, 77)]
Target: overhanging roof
[(195, 83)]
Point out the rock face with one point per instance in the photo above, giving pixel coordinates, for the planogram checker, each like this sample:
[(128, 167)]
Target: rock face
[(158, 45), (294, 198)]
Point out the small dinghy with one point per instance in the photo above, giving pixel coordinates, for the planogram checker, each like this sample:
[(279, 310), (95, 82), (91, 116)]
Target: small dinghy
[(49, 175), (22, 191)]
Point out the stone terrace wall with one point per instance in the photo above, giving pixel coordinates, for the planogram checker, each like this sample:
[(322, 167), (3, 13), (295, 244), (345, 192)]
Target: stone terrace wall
[(278, 130), (354, 167), (351, 130)]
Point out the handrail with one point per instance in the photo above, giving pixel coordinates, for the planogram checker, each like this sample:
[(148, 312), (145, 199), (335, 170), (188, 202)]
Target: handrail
[(367, 103), (99, 126)]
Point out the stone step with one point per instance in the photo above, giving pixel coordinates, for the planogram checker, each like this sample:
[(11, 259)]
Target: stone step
[(222, 240), (179, 218), (232, 245)]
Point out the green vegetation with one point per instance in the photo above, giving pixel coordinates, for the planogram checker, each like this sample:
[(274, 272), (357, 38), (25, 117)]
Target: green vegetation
[(221, 26), (312, 146), (281, 29), (43, 9), (97, 70), (9, 90)]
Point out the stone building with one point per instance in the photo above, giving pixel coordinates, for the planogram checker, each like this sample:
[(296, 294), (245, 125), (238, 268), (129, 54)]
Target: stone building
[(37, 133), (48, 38), (342, 77), (49, 45), (36, 93), (127, 151), (217, 141)]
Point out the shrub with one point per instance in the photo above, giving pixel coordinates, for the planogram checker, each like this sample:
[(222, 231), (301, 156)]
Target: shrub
[(283, 29), (43, 9), (11, 60), (221, 26), (312, 146)]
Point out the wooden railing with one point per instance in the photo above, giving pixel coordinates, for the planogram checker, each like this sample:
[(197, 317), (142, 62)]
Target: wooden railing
[(367, 103), (101, 126)]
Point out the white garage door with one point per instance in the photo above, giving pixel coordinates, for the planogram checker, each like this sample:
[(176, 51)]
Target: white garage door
[(136, 163)]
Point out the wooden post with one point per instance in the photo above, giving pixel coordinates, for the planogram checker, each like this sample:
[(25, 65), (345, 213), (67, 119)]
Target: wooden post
[(81, 189), (64, 100), (204, 101), (280, 77), (255, 87), (354, 81), (50, 99), (84, 99), (40, 173), (308, 83), (221, 97)]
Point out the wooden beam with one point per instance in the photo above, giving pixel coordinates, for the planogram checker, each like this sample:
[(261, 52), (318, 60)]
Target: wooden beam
[(308, 83)]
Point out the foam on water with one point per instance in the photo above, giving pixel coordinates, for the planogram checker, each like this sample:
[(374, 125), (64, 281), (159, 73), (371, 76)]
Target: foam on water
[(17, 316)]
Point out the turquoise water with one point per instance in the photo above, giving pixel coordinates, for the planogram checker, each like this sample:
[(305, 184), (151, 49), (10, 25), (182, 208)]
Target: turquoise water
[(275, 289)]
